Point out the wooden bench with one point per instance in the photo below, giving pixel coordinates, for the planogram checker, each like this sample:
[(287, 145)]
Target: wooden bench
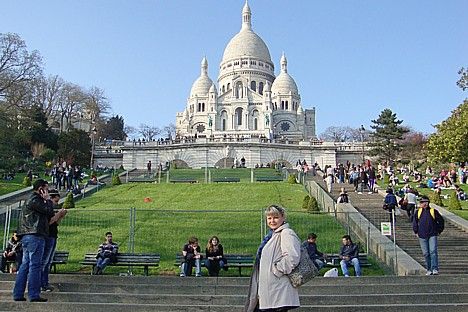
[(60, 257), (233, 261), (269, 179), (226, 179), (144, 260), (333, 260), (183, 180)]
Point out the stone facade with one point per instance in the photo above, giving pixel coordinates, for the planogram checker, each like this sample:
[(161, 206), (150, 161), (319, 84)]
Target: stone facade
[(249, 100)]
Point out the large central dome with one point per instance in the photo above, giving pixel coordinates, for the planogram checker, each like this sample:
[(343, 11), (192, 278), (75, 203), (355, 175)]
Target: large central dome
[(246, 43)]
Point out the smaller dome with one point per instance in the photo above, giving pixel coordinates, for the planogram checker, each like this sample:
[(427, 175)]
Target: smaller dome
[(203, 84), (212, 89), (284, 83)]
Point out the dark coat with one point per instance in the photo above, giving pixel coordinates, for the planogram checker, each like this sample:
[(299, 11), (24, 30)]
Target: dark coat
[(34, 216)]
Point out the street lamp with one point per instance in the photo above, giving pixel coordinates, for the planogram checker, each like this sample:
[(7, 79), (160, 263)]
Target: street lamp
[(93, 134), (362, 130)]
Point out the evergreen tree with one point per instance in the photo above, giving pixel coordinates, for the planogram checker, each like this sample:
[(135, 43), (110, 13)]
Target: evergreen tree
[(75, 147), (69, 201), (313, 205), (450, 143), (305, 202), (454, 203), (114, 129), (387, 137)]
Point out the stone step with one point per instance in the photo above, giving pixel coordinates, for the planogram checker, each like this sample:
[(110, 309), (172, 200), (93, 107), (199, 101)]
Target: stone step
[(236, 299), (105, 288), (118, 307)]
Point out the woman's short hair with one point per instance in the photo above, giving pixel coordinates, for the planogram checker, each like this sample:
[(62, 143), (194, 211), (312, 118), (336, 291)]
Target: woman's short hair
[(275, 210)]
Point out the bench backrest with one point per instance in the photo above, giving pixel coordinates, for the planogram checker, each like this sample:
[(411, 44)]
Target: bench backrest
[(61, 256), (128, 258), (231, 258)]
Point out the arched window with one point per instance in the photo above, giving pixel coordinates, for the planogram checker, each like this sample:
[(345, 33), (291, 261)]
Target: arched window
[(223, 90), (238, 116), (223, 120), (260, 87), (286, 105), (253, 86), (282, 105), (255, 123), (203, 107), (228, 87)]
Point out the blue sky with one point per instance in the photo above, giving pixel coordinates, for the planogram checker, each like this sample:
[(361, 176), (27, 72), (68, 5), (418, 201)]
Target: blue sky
[(350, 59)]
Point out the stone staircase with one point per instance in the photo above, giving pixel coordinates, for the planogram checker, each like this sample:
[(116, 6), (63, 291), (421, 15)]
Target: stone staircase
[(76, 293), (453, 242)]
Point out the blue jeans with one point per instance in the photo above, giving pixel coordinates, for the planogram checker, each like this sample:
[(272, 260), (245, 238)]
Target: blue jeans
[(30, 269), (186, 267), (354, 262), (429, 250), (319, 263), (49, 250), (214, 266), (101, 263)]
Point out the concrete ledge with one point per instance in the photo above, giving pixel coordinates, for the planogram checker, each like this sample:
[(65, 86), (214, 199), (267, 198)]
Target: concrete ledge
[(16, 193)]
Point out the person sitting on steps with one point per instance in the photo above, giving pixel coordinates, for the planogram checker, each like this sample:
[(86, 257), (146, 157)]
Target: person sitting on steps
[(349, 255)]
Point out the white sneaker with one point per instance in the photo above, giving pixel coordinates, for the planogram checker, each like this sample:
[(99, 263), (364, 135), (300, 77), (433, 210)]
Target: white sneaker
[(428, 273), (370, 193), (435, 272), (359, 192)]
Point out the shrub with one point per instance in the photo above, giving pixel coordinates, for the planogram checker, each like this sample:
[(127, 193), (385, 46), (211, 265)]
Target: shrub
[(312, 205), (454, 203), (386, 179), (435, 199), (69, 201), (305, 202), (292, 179), (116, 180), (27, 181)]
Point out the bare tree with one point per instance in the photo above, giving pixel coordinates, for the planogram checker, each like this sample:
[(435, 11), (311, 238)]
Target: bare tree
[(337, 134), (149, 132), (47, 94), (17, 64), (72, 99), (130, 131), (170, 131)]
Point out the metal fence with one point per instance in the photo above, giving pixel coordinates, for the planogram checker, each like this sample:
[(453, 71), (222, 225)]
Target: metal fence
[(166, 231)]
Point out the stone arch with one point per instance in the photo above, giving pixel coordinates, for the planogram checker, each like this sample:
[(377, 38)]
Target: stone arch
[(281, 163), (225, 162), (253, 85), (179, 163)]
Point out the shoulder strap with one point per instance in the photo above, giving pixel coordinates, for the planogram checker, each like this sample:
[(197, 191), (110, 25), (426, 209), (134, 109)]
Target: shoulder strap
[(431, 211)]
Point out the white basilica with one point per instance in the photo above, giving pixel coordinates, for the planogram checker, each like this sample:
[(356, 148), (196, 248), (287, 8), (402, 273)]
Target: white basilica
[(249, 100)]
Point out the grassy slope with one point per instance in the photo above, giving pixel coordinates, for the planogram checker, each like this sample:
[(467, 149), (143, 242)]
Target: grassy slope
[(177, 211)]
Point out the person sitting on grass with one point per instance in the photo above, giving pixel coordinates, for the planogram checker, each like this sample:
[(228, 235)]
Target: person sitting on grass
[(349, 255), (461, 195), (215, 260), (192, 257), (316, 256), (107, 253)]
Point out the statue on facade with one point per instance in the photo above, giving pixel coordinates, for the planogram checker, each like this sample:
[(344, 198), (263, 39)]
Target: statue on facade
[(267, 119)]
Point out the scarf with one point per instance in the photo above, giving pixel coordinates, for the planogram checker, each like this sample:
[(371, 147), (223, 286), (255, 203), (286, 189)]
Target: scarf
[(264, 242)]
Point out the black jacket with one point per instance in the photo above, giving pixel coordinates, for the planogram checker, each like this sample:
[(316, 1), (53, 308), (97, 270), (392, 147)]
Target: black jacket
[(34, 216)]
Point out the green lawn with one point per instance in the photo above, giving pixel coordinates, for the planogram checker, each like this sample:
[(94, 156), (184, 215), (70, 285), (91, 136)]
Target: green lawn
[(233, 212), (13, 185), (244, 174)]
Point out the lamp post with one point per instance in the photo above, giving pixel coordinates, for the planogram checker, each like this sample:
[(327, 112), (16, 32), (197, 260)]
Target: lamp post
[(362, 130), (93, 135)]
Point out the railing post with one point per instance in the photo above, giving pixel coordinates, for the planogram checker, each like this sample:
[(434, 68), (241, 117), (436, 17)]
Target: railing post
[(394, 243)]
